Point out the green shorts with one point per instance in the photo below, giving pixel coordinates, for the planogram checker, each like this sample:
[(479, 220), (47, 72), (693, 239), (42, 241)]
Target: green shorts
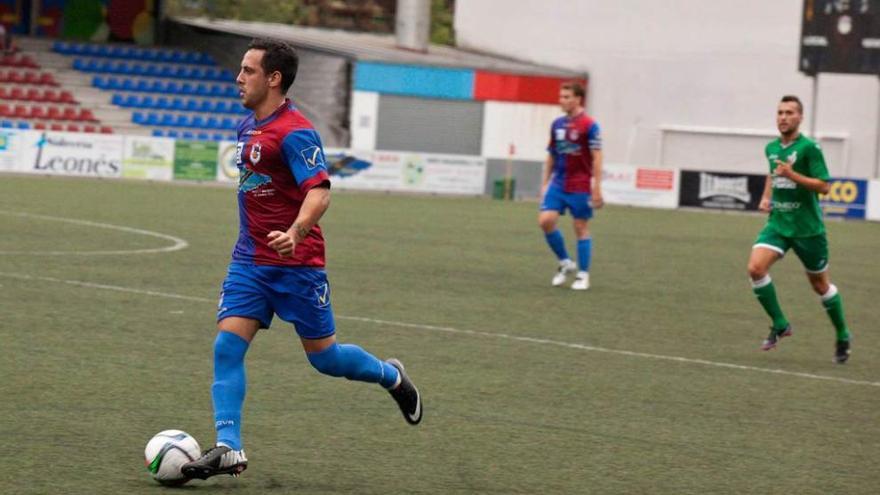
[(812, 251)]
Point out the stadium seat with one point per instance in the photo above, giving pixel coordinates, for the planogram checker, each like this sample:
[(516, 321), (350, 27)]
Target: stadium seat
[(172, 134), (158, 133), (51, 96), (177, 104), (197, 121), (89, 128), (229, 123), (106, 129), (118, 100), (5, 111), (38, 112), (66, 97), (24, 125), (217, 136), (7, 124), (72, 128), (152, 119), (17, 93), (138, 118), (69, 113), (191, 105), (40, 126), (167, 119), (213, 123), (188, 135), (56, 127), (21, 112), (54, 113), (206, 106), (182, 120), (4, 95), (162, 103), (203, 136)]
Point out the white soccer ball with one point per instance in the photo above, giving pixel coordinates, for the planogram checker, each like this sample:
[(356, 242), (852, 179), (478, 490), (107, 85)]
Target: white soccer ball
[(167, 452)]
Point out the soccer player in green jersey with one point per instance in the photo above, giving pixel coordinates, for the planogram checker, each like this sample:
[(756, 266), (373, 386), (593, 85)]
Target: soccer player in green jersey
[(797, 176)]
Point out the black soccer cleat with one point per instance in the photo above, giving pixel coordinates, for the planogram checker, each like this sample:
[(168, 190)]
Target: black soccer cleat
[(841, 351), (406, 395), (216, 460), (775, 336)]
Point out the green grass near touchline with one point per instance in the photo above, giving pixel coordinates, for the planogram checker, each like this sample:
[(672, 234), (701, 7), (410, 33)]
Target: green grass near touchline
[(96, 373)]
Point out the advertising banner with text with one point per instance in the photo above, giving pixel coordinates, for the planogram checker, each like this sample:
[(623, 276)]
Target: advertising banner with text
[(640, 186), (148, 158), (76, 153)]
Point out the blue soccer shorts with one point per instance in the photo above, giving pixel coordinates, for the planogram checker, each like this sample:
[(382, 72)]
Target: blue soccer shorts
[(558, 200), (298, 295)]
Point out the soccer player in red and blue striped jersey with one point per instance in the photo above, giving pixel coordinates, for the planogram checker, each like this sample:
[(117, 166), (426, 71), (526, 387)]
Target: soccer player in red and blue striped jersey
[(572, 181), (278, 261)]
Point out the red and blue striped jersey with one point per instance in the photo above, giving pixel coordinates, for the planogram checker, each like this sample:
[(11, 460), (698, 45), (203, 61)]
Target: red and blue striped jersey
[(571, 140), (280, 158)]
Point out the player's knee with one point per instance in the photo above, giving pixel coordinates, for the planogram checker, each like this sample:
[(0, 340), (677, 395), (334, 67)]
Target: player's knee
[(229, 349), (328, 361), (547, 224), (756, 271), (820, 287)]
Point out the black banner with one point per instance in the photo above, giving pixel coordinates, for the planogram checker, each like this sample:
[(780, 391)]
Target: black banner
[(721, 190)]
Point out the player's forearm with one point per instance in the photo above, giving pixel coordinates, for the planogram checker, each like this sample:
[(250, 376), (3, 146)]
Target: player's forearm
[(815, 185), (548, 168), (768, 188), (314, 205), (597, 171)]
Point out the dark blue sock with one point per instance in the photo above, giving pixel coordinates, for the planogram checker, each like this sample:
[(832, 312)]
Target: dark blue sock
[(354, 363), (229, 387), (557, 244), (585, 248)]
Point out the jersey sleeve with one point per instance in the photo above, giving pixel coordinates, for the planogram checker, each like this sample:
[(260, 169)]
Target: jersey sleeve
[(304, 156), (594, 137), (818, 169)]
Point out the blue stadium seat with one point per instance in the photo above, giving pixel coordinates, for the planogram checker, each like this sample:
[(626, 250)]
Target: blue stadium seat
[(221, 107), (217, 136), (59, 47), (132, 101), (150, 54), (103, 51), (7, 124), (165, 70), (158, 133), (138, 118), (231, 137), (213, 123), (197, 121), (192, 105), (202, 90), (206, 106), (99, 82), (79, 49), (172, 87), (79, 64), (166, 119), (162, 103), (157, 86), (182, 120), (24, 125), (172, 134), (178, 57), (197, 73), (147, 102), (187, 88), (127, 85), (188, 135), (177, 104), (228, 123), (152, 119), (118, 100), (232, 91), (142, 85), (203, 136)]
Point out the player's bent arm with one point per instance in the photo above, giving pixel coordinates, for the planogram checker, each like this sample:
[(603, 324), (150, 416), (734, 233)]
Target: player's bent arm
[(314, 205), (764, 204), (815, 185), (548, 170)]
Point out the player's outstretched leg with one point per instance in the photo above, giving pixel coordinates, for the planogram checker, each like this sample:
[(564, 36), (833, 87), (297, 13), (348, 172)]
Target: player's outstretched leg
[(227, 392), (354, 363), (766, 293)]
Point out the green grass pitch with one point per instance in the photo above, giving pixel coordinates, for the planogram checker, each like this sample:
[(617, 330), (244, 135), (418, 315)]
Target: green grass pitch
[(528, 389)]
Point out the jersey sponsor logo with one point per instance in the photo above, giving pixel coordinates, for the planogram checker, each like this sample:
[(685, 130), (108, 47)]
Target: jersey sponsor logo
[(785, 205), (251, 180), (253, 132), (313, 157), (256, 152), (734, 187), (783, 183), (322, 293), (559, 133)]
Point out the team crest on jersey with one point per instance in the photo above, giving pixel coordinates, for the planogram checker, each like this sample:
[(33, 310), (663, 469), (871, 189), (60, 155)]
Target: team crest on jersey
[(322, 293), (573, 134), (256, 152)]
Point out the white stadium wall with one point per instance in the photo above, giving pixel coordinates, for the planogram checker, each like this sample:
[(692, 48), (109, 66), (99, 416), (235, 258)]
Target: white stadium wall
[(526, 126), (364, 112), (668, 77)]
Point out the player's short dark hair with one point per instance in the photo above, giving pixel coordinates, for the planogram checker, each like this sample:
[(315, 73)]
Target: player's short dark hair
[(277, 56), (795, 99), (576, 88)]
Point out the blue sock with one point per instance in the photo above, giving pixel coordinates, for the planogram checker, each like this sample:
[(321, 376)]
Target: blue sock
[(354, 363), (229, 387), (557, 244), (585, 247)]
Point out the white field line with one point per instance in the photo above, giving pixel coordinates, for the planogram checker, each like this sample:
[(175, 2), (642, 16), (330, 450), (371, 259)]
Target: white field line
[(434, 328), (177, 243)]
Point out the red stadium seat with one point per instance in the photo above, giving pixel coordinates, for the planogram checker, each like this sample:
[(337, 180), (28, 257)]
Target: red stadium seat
[(86, 115), (89, 128), (33, 94), (4, 95), (72, 128), (70, 113), (17, 93), (31, 78), (48, 79), (56, 127), (106, 130), (54, 113), (4, 76), (38, 112), (50, 96), (66, 97), (40, 126), (21, 112), (5, 111)]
